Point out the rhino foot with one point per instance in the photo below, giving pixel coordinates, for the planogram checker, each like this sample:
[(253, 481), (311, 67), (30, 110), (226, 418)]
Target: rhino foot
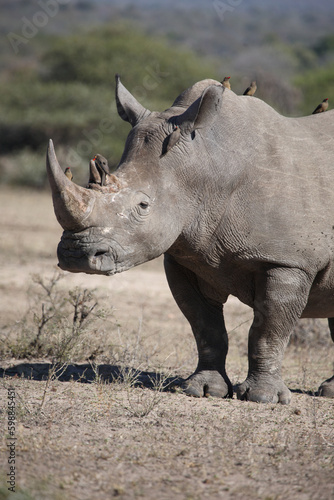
[(208, 383), (264, 391), (327, 388)]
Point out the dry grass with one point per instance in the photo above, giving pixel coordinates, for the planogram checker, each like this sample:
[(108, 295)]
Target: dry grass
[(107, 426)]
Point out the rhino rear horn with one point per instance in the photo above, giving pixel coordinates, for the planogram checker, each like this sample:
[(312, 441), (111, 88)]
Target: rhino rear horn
[(129, 109), (73, 204)]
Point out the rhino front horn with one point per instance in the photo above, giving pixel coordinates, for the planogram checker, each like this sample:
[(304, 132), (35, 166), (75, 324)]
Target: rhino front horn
[(73, 204)]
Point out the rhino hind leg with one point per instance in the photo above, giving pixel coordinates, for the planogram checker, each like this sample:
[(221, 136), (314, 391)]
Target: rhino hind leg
[(327, 387), (207, 322), (272, 390), (280, 297)]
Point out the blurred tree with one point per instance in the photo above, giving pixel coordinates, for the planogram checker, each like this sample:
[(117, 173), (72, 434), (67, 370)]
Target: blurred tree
[(68, 94), (324, 45), (149, 64)]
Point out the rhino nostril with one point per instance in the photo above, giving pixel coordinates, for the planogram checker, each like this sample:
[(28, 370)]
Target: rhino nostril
[(99, 252)]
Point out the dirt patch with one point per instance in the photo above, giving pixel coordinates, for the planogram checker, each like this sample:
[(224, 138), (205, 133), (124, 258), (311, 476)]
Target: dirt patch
[(109, 431)]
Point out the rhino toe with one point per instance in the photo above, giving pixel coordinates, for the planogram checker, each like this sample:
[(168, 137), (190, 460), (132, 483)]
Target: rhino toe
[(208, 383), (264, 392), (327, 388)]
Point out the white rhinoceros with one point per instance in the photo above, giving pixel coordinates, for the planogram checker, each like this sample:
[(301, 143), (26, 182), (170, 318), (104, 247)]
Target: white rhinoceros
[(239, 199)]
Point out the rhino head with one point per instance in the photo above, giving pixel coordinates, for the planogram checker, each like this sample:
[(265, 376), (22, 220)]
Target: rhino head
[(141, 210)]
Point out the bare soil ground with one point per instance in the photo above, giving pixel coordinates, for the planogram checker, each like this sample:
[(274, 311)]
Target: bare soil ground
[(104, 439)]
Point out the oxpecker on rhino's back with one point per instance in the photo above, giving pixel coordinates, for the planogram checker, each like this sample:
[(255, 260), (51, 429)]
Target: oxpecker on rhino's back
[(240, 201)]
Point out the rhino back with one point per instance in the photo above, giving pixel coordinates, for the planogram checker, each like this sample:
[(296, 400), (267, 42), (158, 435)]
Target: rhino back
[(266, 183)]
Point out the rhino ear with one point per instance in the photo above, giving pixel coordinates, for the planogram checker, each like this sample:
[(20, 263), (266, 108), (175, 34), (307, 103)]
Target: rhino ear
[(203, 111), (129, 109)]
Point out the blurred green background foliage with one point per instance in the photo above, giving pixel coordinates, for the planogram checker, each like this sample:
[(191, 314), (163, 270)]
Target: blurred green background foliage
[(58, 82)]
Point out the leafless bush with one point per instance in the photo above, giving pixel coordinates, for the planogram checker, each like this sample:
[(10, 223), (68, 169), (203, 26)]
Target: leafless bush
[(57, 325)]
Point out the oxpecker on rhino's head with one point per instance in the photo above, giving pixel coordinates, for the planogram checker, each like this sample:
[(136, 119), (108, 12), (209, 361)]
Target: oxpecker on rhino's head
[(121, 220)]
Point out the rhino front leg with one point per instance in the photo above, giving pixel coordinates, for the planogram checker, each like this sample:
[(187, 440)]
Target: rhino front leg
[(280, 298), (327, 387), (207, 322)]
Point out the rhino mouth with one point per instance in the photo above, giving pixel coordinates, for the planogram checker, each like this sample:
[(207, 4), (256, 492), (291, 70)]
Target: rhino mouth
[(89, 252)]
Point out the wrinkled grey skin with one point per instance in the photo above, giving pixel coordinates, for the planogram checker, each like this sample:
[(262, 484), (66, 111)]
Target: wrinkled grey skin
[(240, 202)]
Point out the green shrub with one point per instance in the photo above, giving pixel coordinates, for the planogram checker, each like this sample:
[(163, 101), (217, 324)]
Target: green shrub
[(69, 96)]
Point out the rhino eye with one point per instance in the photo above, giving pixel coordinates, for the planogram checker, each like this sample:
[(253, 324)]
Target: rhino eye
[(143, 204)]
